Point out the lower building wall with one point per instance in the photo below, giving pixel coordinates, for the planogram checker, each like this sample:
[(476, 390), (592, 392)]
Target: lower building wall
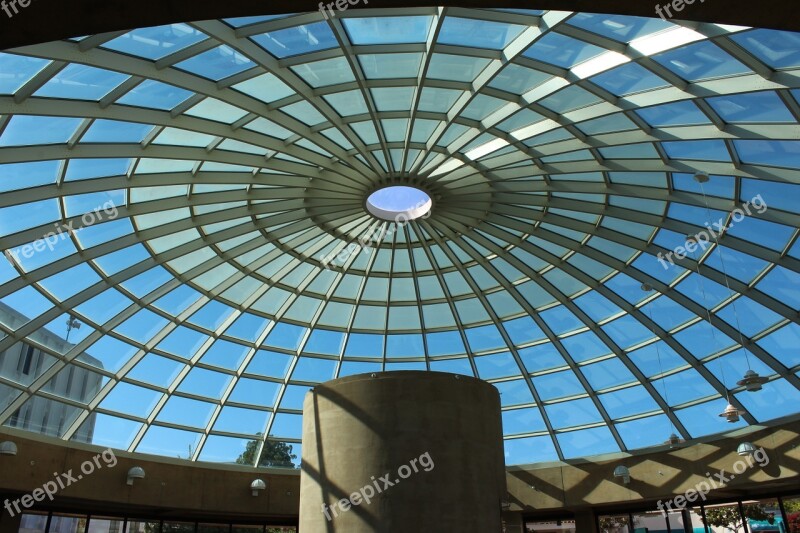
[(174, 489), (662, 475)]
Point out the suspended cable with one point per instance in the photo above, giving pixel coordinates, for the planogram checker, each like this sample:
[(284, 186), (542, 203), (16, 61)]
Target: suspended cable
[(751, 381)]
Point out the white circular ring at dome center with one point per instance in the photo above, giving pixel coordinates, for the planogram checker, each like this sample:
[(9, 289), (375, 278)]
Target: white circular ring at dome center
[(399, 203)]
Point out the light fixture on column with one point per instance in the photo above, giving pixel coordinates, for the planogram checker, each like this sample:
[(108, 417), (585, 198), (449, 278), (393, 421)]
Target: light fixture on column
[(746, 448), (8, 448), (257, 486), (136, 472), (623, 473), (731, 413)]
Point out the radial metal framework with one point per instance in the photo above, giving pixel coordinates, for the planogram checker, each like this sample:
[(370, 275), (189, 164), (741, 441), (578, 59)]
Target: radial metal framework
[(230, 263)]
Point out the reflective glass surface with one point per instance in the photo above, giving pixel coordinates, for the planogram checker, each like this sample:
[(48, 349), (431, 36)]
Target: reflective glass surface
[(187, 249)]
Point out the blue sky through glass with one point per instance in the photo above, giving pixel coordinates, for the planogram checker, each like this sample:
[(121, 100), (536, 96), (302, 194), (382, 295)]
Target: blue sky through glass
[(398, 198), (241, 267)]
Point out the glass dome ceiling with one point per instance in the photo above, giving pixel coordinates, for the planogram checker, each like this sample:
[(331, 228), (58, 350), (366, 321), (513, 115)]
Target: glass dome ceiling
[(188, 249)]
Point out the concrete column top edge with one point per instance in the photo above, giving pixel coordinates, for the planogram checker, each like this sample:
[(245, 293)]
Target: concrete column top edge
[(399, 375)]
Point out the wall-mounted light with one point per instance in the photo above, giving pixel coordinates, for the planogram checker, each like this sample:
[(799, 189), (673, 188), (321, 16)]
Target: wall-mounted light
[(623, 472), (746, 448), (257, 486), (8, 448), (505, 504), (136, 472)]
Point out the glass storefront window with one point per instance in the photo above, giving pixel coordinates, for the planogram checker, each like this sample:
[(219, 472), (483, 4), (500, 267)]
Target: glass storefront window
[(675, 521), (64, 523), (142, 526), (764, 516), (552, 526), (614, 524), (177, 527), (649, 522), (213, 528), (247, 528), (723, 518), (696, 523), (32, 523), (792, 508), (100, 524)]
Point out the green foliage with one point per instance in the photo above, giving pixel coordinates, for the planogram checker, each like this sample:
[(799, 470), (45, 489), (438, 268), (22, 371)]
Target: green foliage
[(278, 454), (728, 517), (792, 506)]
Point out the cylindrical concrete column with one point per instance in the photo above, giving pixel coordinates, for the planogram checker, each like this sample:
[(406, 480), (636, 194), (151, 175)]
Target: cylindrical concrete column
[(402, 451)]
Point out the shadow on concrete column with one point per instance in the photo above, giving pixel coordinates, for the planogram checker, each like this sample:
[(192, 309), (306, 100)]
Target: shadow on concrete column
[(402, 451)]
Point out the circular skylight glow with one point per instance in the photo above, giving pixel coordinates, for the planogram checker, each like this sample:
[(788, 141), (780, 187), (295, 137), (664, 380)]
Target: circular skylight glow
[(399, 203)]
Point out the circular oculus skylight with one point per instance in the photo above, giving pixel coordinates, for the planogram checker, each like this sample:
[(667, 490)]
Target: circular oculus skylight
[(399, 203)]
